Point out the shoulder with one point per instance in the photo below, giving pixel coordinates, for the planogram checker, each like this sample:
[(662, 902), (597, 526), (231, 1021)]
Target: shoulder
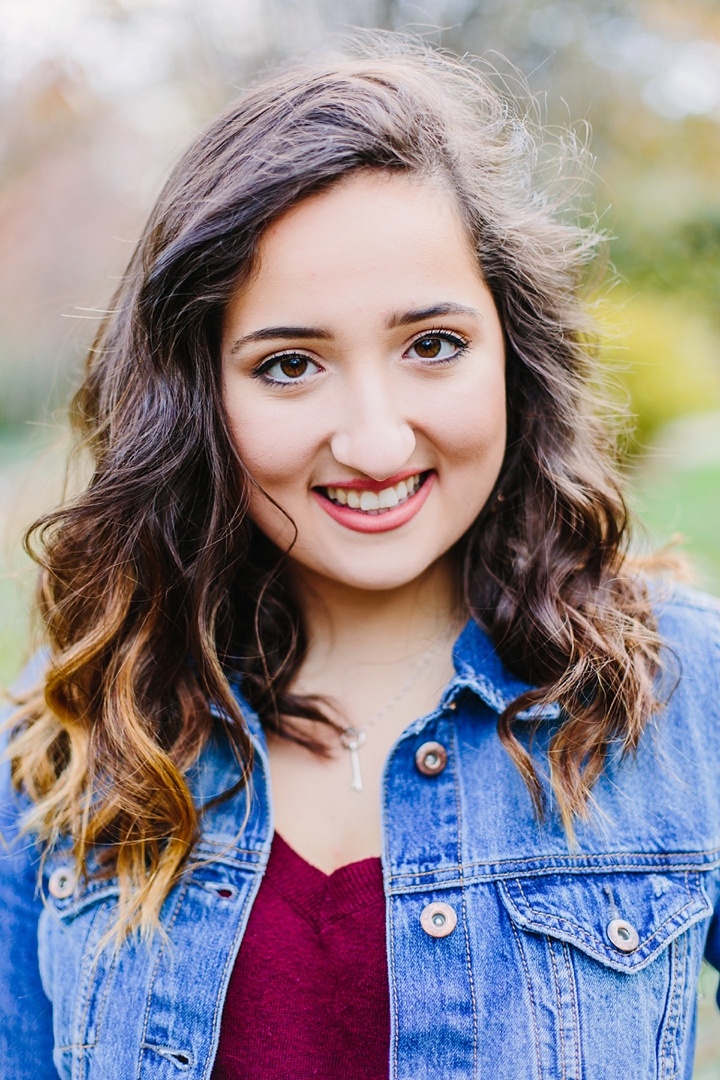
[(15, 852), (685, 606), (688, 685), (29, 678), (25, 1026), (688, 623)]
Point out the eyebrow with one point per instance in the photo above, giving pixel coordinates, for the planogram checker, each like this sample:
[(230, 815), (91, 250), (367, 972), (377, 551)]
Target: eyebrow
[(307, 333), (282, 333), (434, 312)]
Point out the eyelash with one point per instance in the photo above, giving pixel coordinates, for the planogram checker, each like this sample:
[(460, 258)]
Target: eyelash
[(461, 344), (260, 371)]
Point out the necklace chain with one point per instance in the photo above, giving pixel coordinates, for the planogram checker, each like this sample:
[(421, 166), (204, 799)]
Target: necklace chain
[(424, 662), (352, 738)]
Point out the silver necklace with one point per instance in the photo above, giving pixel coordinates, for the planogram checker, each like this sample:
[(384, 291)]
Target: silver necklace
[(353, 738)]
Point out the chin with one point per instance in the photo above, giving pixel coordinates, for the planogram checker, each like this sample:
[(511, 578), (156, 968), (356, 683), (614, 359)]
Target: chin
[(372, 575)]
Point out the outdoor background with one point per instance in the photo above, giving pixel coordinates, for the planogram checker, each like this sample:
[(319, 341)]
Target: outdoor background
[(98, 97)]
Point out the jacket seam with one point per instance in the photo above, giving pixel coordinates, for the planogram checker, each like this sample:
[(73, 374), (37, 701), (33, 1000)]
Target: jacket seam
[(561, 1026), (206, 843), (392, 972), (672, 1007), (463, 898), (144, 1041), (103, 998), (396, 1004), (572, 989), (572, 859), (533, 1007), (89, 981), (495, 879), (241, 928)]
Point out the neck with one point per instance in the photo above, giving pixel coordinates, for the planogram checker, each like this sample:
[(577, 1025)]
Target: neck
[(364, 626)]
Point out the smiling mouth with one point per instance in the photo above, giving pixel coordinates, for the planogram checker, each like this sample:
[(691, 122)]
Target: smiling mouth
[(375, 503)]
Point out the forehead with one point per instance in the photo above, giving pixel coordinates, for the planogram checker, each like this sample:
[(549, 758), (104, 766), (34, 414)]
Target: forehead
[(372, 240)]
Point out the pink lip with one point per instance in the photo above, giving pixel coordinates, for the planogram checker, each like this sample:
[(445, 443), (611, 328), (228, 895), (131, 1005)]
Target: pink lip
[(376, 523), (373, 485)]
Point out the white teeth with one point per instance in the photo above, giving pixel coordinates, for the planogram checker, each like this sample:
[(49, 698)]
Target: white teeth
[(388, 498), (372, 502), (369, 500)]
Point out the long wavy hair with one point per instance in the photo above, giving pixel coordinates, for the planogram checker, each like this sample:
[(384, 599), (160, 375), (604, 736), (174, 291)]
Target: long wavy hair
[(156, 588)]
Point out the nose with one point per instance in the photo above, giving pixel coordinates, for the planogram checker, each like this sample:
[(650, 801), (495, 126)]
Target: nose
[(375, 437)]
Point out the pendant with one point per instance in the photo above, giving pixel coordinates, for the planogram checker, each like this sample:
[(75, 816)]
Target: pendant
[(352, 739)]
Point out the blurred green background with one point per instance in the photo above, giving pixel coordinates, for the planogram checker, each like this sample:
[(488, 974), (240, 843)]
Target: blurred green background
[(98, 97)]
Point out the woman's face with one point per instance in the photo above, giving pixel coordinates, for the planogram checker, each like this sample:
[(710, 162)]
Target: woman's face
[(363, 378)]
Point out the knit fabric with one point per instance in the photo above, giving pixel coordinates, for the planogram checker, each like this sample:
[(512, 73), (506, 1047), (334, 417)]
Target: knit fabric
[(308, 996)]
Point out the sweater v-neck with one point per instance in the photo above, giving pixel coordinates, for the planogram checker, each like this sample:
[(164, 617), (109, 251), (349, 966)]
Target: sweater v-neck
[(318, 897), (308, 997)]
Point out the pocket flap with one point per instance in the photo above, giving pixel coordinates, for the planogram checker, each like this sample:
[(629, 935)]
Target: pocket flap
[(586, 911)]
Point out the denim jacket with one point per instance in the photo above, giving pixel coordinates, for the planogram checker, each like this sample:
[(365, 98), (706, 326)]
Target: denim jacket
[(512, 954)]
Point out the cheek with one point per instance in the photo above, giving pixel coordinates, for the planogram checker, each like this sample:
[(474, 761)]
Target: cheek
[(274, 459), (470, 430), (276, 448)]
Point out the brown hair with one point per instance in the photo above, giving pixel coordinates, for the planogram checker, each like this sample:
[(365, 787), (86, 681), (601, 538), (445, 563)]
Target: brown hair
[(155, 584)]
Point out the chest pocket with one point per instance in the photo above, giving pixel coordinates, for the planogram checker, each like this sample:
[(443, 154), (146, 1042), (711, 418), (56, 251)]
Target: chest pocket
[(621, 920), (611, 962)]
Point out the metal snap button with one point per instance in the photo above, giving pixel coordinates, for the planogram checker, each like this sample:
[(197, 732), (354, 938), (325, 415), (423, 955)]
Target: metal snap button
[(431, 758), (438, 920), (61, 882), (623, 935)]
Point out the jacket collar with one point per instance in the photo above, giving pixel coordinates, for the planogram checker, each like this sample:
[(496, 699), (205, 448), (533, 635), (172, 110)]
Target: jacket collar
[(480, 669)]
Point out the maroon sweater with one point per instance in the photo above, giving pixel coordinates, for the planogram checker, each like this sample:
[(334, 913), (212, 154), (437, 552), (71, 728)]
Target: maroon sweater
[(308, 996)]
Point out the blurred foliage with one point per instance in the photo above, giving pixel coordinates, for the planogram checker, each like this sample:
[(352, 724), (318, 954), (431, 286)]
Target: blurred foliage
[(681, 507), (683, 260), (664, 355)]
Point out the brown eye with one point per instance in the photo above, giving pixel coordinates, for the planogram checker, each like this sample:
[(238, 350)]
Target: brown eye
[(294, 366), (428, 348), (286, 369), (438, 347)]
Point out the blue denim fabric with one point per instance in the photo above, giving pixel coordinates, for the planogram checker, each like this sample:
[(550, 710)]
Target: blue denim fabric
[(528, 986)]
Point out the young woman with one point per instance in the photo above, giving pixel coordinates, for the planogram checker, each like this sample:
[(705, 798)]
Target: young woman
[(358, 748)]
